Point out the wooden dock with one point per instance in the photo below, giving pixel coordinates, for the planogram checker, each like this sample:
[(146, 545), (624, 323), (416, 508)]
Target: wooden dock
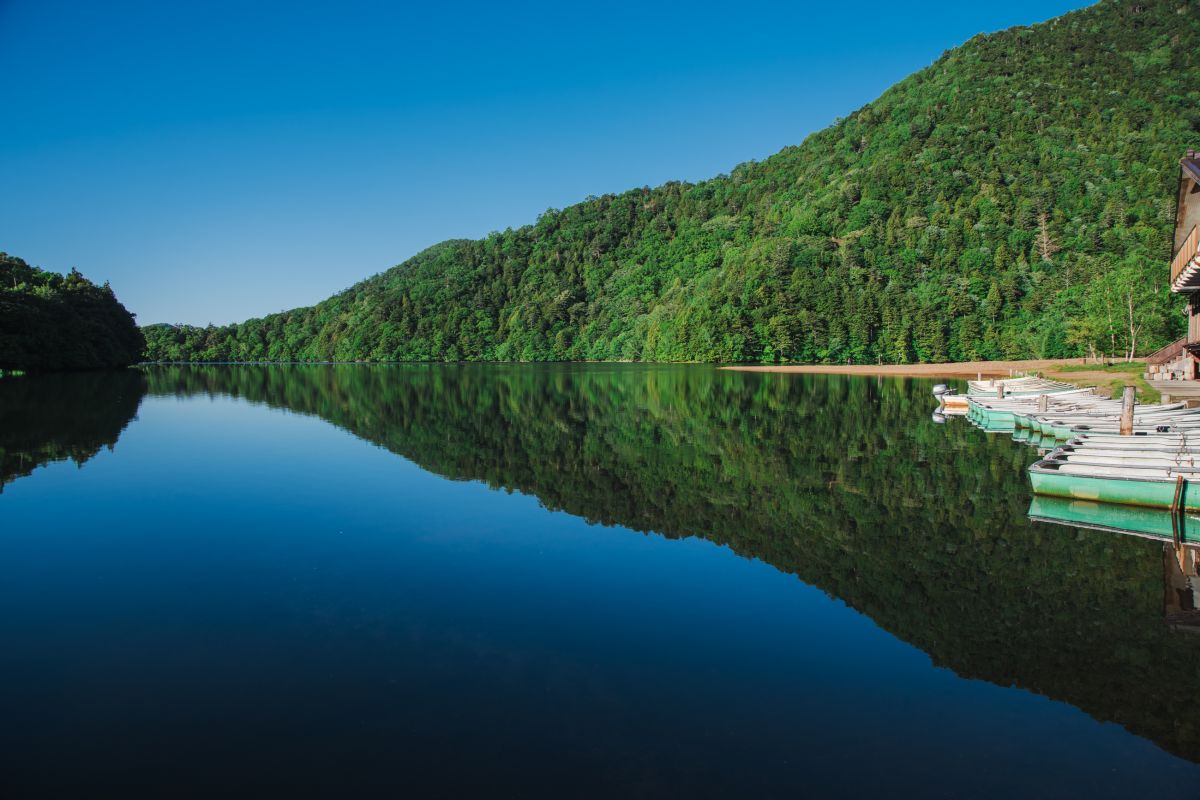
[(1179, 391)]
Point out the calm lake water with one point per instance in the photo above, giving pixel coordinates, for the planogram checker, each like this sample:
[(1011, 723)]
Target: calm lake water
[(560, 581)]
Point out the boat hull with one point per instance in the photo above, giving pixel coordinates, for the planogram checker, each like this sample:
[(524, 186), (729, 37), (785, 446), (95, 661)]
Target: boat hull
[(1151, 493)]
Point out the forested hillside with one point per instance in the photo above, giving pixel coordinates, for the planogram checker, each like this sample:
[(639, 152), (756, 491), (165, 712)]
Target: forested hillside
[(1014, 199), (50, 321)]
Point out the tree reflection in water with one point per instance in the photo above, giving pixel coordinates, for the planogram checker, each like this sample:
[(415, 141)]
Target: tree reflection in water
[(843, 482)]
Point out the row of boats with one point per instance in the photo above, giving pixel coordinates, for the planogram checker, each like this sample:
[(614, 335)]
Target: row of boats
[(1091, 473), (1105, 466)]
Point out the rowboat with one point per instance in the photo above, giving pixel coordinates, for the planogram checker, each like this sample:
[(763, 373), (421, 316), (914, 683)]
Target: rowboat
[(1140, 428), (1103, 409), (1056, 418), (1137, 443), (1126, 458), (1084, 452), (1016, 387), (1070, 395), (1147, 423), (1155, 486), (955, 404), (1001, 415), (1069, 398), (1062, 420)]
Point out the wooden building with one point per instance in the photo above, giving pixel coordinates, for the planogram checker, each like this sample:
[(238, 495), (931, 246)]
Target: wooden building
[(1181, 360)]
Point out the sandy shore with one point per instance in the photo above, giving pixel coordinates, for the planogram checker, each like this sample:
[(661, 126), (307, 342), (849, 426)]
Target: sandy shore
[(964, 369)]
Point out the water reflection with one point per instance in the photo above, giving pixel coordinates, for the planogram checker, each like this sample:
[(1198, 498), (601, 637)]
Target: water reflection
[(1152, 523), (1179, 533), (843, 482), (47, 418)]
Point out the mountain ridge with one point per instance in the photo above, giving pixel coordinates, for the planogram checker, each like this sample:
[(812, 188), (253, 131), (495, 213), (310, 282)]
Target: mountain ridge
[(995, 204)]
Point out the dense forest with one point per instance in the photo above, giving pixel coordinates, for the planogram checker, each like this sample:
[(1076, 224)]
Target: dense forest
[(50, 321), (1014, 199), (825, 478)]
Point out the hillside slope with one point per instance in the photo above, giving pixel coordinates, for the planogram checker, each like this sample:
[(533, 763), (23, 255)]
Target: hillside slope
[(1007, 201)]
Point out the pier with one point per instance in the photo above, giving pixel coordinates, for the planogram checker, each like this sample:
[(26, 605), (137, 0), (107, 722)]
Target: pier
[(1183, 391)]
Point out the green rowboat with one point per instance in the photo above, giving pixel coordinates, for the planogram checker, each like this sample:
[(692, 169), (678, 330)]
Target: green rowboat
[(1152, 487)]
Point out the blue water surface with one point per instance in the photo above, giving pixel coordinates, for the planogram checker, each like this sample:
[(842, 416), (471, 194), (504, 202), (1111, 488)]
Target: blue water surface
[(246, 592)]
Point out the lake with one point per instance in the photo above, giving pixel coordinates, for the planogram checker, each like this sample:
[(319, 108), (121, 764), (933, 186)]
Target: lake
[(560, 581)]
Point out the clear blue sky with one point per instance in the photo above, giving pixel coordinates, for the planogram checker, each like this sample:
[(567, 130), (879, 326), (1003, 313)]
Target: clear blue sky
[(221, 160)]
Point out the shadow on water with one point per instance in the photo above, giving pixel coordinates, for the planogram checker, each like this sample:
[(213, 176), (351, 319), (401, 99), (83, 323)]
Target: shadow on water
[(843, 482)]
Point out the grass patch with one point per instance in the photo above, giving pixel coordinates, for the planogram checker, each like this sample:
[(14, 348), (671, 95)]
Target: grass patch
[(1123, 374), (1135, 367), (1145, 392)]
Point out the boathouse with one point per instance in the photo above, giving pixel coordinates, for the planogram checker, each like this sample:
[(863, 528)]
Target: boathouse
[(1181, 360)]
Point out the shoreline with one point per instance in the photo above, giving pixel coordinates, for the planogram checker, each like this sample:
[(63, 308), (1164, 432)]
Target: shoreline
[(1048, 367), (961, 369)]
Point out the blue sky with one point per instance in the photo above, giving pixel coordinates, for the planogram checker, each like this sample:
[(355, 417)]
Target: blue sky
[(221, 160)]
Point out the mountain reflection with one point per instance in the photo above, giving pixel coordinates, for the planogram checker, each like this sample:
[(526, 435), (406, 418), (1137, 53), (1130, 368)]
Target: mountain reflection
[(47, 418), (843, 482)]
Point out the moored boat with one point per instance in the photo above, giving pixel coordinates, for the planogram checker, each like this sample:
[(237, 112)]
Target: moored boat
[(1160, 487), (1173, 441), (1127, 458), (1016, 387)]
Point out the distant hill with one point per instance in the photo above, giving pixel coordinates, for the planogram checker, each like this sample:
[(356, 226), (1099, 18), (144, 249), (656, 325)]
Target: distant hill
[(52, 322), (1010, 200)]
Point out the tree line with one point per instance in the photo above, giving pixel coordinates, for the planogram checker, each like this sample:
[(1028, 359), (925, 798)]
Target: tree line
[(52, 322)]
